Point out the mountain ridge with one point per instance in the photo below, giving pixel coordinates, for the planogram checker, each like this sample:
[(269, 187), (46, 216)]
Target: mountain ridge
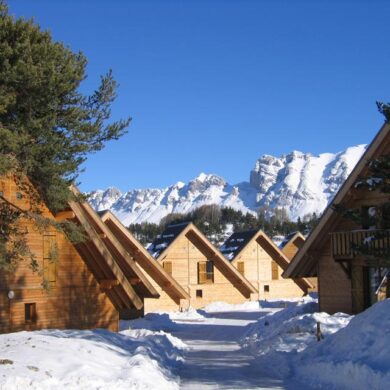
[(302, 183)]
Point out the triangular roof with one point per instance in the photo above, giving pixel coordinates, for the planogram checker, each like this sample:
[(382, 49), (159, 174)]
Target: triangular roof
[(189, 230), (165, 239), (304, 265), (142, 256), (290, 238), (236, 242), (269, 246), (111, 259)]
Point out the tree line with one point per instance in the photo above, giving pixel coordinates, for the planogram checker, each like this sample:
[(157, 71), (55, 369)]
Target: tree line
[(214, 221)]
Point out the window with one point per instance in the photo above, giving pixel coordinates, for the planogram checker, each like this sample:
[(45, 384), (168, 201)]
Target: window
[(30, 313), (1, 193), (369, 217), (205, 272), (266, 288), (50, 254), (19, 195), (167, 265), (199, 293), (241, 267), (275, 270)]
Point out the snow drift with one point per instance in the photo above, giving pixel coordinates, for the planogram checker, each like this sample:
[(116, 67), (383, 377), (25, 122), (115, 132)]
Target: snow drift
[(356, 357), (55, 359)]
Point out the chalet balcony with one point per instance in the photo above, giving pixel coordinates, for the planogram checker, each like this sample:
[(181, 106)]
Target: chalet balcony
[(348, 244)]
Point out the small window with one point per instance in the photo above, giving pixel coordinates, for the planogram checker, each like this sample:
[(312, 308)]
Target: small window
[(30, 313), (1, 193), (241, 267), (19, 195), (205, 272), (167, 265), (369, 217), (266, 288), (199, 293), (275, 270)]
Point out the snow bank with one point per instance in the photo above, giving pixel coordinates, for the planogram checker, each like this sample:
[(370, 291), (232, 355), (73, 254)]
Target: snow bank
[(187, 315), (281, 333), (55, 359), (356, 357), (162, 320), (216, 307)]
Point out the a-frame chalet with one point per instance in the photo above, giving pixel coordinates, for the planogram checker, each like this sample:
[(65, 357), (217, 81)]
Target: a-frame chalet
[(349, 281), (256, 257), (199, 267)]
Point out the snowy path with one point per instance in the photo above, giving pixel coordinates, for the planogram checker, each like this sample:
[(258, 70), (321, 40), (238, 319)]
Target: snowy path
[(215, 359)]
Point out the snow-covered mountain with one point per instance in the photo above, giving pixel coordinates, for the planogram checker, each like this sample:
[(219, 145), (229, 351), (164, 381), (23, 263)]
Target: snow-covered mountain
[(299, 182)]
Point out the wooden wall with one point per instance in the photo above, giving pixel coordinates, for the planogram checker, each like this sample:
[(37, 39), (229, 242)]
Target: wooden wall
[(292, 247), (74, 300), (165, 302), (290, 250), (185, 255), (258, 270), (335, 288)]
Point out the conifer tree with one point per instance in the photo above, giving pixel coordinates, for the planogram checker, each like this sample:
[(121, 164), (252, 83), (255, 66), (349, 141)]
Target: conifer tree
[(47, 126)]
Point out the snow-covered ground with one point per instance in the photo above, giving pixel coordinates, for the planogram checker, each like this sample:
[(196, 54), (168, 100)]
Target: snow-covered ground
[(256, 345), (54, 359)]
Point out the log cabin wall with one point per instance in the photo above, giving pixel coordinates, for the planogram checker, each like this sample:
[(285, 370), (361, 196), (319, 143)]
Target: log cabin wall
[(185, 256), (265, 274), (73, 299)]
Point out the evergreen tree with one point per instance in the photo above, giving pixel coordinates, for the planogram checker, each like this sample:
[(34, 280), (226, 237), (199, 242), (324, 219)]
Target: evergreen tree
[(47, 126)]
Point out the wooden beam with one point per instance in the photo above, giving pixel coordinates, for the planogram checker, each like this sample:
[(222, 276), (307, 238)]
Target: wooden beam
[(64, 215), (107, 256), (103, 228), (107, 284)]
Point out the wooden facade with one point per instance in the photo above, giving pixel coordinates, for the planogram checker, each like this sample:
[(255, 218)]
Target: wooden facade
[(75, 297), (199, 267), (349, 281), (262, 263), (171, 295), (290, 247)]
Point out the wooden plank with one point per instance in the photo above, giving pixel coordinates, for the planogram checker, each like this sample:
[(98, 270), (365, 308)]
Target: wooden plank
[(107, 256), (103, 229), (64, 215)]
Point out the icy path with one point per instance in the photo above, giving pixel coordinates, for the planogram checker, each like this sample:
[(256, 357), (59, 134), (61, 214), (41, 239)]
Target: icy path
[(214, 359)]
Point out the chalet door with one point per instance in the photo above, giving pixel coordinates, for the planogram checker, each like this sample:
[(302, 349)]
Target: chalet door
[(378, 287)]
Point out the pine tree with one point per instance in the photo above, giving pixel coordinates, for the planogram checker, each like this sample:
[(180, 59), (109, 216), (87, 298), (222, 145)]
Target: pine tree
[(47, 126)]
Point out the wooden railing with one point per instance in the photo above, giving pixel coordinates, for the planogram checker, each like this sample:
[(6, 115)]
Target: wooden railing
[(346, 245)]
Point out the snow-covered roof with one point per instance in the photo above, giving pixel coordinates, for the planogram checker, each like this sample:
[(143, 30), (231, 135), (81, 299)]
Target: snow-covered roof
[(235, 243), (166, 238)]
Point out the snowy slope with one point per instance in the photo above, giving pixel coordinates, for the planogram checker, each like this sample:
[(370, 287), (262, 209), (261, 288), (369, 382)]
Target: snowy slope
[(299, 182)]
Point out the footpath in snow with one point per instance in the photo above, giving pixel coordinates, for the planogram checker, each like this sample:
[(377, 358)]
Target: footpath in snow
[(266, 345)]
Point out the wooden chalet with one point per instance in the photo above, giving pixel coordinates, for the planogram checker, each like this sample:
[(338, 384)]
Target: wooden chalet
[(290, 246), (349, 281), (172, 296), (256, 257), (87, 285), (189, 257)]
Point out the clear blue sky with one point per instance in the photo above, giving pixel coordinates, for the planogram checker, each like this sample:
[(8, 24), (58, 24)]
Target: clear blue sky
[(212, 85)]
